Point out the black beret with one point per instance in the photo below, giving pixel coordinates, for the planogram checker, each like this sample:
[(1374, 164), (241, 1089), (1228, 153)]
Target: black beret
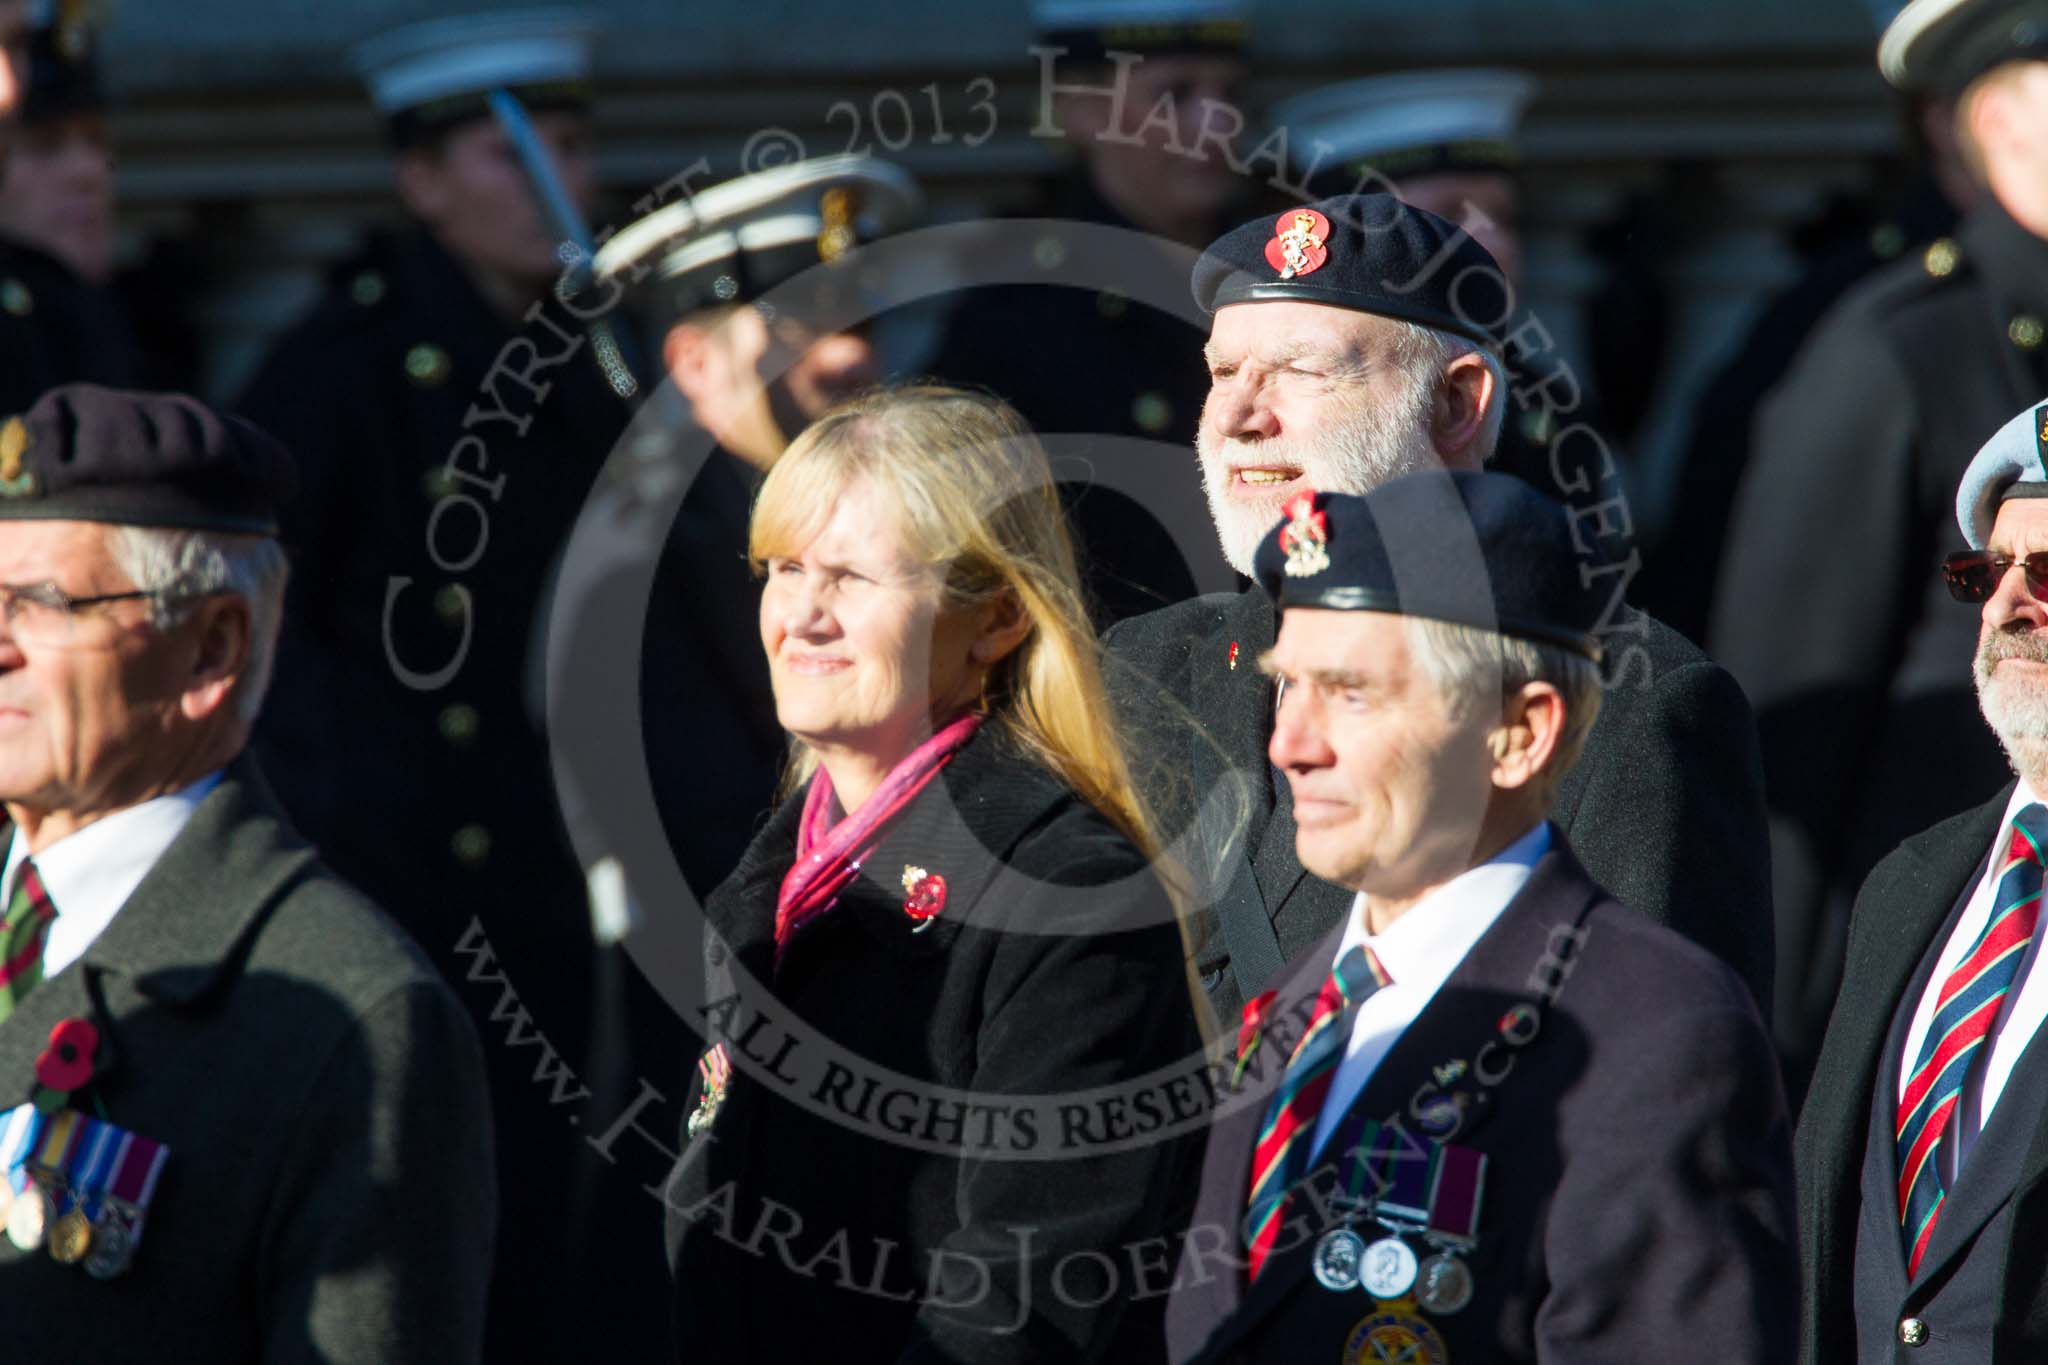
[(1481, 550), (1370, 252), (85, 453), (1943, 45)]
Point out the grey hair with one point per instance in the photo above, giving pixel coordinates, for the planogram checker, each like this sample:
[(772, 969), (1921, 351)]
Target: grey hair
[(1424, 352), (184, 566), (1472, 667)]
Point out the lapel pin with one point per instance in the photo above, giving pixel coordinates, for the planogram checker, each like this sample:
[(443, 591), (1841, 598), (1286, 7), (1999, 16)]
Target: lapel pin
[(716, 1069), (924, 896), (1233, 656)]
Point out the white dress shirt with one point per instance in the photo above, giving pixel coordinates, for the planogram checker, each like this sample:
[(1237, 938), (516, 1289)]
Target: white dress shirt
[(2019, 1016), (91, 874), (1419, 951)]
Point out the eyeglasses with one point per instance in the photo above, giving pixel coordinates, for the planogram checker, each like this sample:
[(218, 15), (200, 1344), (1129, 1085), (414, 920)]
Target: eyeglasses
[(1973, 575), (44, 614)]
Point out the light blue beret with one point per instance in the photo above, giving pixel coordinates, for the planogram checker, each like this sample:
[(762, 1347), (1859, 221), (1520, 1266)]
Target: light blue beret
[(2013, 463)]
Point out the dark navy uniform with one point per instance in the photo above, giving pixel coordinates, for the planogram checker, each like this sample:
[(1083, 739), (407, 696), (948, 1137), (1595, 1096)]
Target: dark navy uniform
[(1864, 703)]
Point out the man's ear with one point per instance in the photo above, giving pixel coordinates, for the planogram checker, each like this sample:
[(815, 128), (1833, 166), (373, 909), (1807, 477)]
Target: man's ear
[(1524, 747), (1457, 411), (422, 184), (221, 633)]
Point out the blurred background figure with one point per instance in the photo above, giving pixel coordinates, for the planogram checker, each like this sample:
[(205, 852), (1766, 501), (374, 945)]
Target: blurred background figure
[(1869, 726), (1134, 91), (59, 322), (449, 418), (1915, 219)]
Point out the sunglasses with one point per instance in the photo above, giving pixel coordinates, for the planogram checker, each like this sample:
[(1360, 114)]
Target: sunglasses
[(1973, 575)]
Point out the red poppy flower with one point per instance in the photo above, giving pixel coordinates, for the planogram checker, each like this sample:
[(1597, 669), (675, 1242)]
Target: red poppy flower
[(66, 1064), (927, 897), (1255, 1011)]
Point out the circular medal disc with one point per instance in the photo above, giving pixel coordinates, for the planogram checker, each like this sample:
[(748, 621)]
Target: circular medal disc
[(71, 1238), (1337, 1258), (1388, 1269), (1445, 1285), (109, 1256), (28, 1218), (6, 1201)]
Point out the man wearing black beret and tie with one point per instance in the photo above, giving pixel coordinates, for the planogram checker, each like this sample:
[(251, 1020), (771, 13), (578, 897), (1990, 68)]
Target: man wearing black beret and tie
[(1353, 342), (247, 1122), (1491, 1115), (1923, 1145)]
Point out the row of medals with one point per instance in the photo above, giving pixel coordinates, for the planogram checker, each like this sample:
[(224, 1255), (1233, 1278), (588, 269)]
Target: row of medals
[(33, 1223), (1388, 1268)]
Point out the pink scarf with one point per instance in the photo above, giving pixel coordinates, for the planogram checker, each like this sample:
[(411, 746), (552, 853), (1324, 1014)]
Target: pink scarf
[(829, 854)]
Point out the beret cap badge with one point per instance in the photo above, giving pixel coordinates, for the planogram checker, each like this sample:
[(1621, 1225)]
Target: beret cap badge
[(15, 482), (1305, 539), (1298, 246)]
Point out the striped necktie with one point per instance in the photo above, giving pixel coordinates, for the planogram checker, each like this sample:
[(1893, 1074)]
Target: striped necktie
[(1965, 1011), (21, 938), (1281, 1154)]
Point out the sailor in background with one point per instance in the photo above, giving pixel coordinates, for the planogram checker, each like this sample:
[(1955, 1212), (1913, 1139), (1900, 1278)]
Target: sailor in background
[(59, 323), (1870, 730), (1085, 363), (450, 416)]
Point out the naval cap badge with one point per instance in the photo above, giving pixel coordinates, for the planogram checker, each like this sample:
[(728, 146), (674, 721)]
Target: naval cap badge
[(1299, 246), (1305, 539)]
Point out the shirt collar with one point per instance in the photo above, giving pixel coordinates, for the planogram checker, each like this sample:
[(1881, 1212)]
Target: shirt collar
[(91, 873), (1424, 946)]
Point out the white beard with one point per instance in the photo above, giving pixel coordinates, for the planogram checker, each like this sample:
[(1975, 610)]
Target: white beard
[(2016, 710), (1364, 446)]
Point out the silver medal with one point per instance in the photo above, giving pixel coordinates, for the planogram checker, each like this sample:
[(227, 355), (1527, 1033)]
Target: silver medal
[(112, 1245), (29, 1217), (1445, 1284), (1388, 1269), (1336, 1260)]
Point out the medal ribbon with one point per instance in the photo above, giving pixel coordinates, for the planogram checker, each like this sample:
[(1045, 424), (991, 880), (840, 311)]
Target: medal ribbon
[(24, 1123), (59, 1140), (97, 1148)]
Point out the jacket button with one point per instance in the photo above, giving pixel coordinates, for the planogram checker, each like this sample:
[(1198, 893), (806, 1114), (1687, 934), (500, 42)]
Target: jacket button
[(458, 723), (471, 845), (1912, 1331)]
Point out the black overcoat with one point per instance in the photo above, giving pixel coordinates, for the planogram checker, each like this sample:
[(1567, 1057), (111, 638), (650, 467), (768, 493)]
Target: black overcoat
[(329, 1195), (1982, 1290), (1665, 802), (1638, 1204), (1054, 968)]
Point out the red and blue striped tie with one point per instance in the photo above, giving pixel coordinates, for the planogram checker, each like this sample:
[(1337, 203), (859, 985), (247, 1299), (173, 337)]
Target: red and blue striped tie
[(1282, 1151), (1963, 1016)]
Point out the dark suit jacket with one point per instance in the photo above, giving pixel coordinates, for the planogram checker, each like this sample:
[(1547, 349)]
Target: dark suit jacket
[(1054, 968), (1982, 1291), (1638, 1200), (1665, 803), (329, 1192)]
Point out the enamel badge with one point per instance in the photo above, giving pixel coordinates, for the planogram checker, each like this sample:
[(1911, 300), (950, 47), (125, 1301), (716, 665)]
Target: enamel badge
[(715, 1067), (1305, 539), (1299, 243)]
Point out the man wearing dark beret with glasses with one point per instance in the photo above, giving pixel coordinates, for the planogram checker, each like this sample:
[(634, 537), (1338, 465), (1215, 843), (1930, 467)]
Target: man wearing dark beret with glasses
[(1354, 340), (249, 1122), (1491, 1115), (1923, 1145)]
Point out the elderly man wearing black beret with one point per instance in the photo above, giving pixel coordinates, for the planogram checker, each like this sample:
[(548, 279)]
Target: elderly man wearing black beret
[(251, 1122), (1353, 342), (1491, 1115)]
